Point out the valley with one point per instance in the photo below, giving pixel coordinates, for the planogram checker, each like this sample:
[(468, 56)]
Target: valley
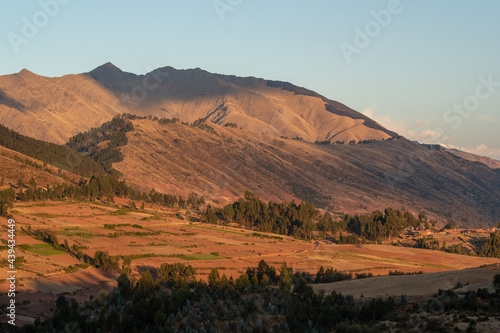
[(169, 201), (221, 163), (156, 235)]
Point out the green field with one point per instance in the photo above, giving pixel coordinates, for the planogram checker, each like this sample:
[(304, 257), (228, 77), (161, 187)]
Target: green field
[(77, 232), (200, 257), (42, 249), (220, 230)]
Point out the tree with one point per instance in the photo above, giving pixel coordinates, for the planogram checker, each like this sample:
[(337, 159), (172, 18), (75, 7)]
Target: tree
[(264, 281), (32, 183), (243, 282), (209, 216), (249, 195), (126, 265), (124, 285), (496, 283), (421, 217), (132, 205), (145, 283), (62, 302), (285, 279), (4, 206), (103, 260), (213, 277), (492, 246), (177, 273)]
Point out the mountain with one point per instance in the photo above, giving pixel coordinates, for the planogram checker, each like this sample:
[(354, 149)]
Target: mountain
[(222, 162), (491, 163), (270, 137), (54, 109), (258, 105)]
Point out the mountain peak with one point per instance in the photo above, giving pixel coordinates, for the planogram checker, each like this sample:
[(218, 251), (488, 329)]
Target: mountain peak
[(107, 68), (25, 72)]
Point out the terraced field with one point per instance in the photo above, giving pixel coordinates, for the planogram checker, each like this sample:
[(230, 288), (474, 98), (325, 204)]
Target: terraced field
[(156, 235)]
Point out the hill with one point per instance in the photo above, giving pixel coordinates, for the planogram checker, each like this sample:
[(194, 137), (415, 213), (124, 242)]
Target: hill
[(262, 106), (15, 166), (58, 108), (53, 109), (63, 157), (491, 163), (222, 162), (270, 137)]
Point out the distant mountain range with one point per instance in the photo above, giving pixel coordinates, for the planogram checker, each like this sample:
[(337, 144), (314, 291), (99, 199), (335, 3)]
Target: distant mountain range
[(53, 109), (270, 137), (493, 164)]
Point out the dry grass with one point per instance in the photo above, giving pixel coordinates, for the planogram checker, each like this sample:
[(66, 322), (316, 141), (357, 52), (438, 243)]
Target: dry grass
[(169, 239), (413, 285), (351, 179)]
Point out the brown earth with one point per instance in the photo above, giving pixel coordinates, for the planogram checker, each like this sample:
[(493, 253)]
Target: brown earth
[(414, 285), (14, 166), (170, 237), (493, 164), (54, 109), (222, 163)]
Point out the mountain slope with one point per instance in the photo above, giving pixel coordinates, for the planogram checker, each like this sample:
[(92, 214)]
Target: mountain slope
[(491, 163), (258, 105), (15, 166), (59, 156), (54, 109), (223, 162)]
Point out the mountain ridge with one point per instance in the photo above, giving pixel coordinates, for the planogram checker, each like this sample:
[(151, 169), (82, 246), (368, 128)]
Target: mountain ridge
[(64, 106), (222, 162), (490, 162), (249, 146)]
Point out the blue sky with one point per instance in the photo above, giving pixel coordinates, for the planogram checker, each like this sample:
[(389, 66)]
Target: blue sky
[(426, 69)]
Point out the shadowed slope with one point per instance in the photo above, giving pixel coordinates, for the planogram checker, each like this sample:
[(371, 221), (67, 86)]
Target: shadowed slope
[(493, 164), (223, 162)]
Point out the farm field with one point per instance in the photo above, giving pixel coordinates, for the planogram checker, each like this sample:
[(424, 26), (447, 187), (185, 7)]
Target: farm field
[(415, 285), (156, 234)]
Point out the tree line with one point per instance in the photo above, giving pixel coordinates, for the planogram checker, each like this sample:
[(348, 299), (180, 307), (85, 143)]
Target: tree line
[(172, 300), (104, 187), (245, 304), (305, 221), (490, 248), (60, 156), (114, 132)]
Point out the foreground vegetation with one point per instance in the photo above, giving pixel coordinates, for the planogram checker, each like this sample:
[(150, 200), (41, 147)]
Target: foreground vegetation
[(261, 300)]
